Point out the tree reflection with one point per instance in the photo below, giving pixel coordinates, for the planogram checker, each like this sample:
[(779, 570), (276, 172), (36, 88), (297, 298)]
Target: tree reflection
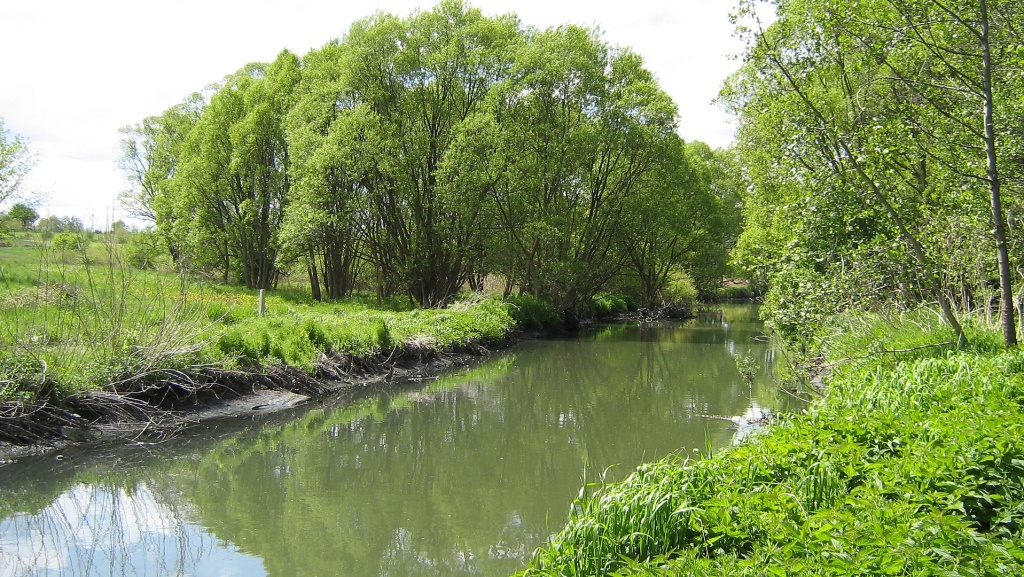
[(106, 529), (465, 476)]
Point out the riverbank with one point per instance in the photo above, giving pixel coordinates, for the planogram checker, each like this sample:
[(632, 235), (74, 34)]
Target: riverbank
[(912, 464), (118, 416), (242, 364)]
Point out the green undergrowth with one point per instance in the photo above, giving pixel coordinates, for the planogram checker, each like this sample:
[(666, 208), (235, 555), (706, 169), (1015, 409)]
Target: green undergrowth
[(82, 320), (298, 335), (912, 464)]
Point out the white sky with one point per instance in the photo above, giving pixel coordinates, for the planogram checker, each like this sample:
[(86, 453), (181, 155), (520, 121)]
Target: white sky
[(73, 72)]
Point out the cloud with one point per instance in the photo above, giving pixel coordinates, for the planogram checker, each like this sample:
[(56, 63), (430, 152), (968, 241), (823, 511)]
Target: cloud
[(76, 71)]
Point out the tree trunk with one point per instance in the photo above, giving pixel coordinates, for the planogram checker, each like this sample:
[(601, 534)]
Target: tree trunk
[(314, 278), (1006, 313)]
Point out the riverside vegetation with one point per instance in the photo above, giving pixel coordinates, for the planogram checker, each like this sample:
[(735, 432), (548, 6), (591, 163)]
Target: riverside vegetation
[(878, 167), (913, 464), (100, 333), (410, 159), (882, 146), (87, 338)]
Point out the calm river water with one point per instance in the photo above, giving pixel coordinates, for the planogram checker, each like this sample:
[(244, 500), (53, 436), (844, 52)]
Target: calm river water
[(462, 475)]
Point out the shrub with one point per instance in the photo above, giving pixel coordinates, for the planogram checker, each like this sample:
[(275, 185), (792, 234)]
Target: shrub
[(384, 339), (680, 291), (737, 293), (604, 304), (529, 312), (67, 241), (143, 249)]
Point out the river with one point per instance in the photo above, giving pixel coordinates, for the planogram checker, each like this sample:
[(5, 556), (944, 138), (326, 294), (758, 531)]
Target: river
[(465, 474)]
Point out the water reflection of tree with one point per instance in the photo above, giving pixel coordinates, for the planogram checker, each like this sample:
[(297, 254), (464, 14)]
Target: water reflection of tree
[(474, 477), (104, 529), (463, 477)]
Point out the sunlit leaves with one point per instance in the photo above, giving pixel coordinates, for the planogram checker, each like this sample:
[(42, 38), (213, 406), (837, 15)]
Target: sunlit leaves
[(861, 129)]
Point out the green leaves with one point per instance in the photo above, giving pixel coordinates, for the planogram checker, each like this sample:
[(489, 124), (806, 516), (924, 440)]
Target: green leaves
[(907, 468), (862, 130), (16, 161), (415, 154)]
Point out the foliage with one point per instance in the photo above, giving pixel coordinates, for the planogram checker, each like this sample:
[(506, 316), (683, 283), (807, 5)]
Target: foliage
[(912, 465), (679, 291), (863, 132), (745, 292), (95, 320), (67, 241), (529, 312), (143, 249), (54, 224), (417, 155), (232, 183), (16, 161), (24, 215), (606, 304)]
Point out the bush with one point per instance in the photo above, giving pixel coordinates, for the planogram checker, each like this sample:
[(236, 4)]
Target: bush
[(737, 293), (604, 304), (680, 291), (529, 312), (384, 338), (67, 241), (143, 249)]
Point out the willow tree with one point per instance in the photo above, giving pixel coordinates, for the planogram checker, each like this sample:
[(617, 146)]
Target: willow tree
[(232, 181), (421, 78), (149, 156), (685, 218), (16, 161), (579, 128), (334, 146)]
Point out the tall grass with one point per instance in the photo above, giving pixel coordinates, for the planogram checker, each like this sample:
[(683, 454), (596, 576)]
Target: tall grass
[(913, 464), (76, 319), (82, 319)]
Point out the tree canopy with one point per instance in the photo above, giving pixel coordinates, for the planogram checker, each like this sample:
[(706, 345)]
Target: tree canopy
[(881, 143), (419, 155), (16, 161)]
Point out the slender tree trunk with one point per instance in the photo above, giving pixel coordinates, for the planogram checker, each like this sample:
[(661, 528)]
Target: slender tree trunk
[(1006, 313), (227, 262), (935, 287), (314, 278)]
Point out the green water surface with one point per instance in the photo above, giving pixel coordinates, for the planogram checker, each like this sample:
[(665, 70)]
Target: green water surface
[(461, 475)]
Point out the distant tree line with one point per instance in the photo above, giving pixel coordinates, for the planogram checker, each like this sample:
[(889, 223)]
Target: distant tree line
[(883, 141), (423, 154)]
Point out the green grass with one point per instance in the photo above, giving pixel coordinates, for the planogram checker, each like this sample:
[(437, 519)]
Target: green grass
[(913, 464), (73, 321)]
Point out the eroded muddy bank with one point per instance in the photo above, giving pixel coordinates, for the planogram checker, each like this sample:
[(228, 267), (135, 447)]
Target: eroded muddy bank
[(159, 409)]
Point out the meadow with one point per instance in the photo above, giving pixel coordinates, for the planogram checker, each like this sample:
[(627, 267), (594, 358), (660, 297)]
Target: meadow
[(80, 319)]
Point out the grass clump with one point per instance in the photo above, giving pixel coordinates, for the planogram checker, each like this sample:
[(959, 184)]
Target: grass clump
[(529, 312), (913, 464)]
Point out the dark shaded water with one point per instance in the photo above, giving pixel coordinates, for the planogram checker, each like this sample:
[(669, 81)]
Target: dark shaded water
[(463, 475)]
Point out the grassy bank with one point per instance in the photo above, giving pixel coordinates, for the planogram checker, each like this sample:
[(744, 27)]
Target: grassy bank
[(80, 329), (913, 464)]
